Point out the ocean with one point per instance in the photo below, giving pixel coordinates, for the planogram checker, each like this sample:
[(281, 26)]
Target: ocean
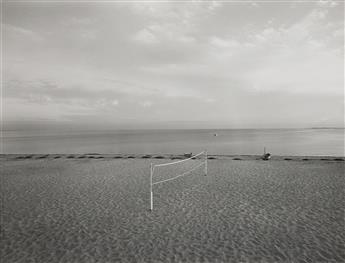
[(312, 142)]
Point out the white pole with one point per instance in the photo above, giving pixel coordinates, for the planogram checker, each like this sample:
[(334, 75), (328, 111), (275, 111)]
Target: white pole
[(151, 193), (205, 162)]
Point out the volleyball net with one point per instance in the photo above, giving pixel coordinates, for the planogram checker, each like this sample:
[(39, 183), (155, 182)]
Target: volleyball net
[(166, 172)]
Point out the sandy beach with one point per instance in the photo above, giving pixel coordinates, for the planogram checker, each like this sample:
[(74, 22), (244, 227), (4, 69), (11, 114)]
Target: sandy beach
[(95, 208)]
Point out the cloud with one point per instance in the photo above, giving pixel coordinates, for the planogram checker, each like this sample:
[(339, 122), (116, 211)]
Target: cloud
[(45, 91), (179, 11), (164, 33), (145, 36), (78, 21), (210, 100), (302, 57), (313, 74), (89, 35), (326, 3), (224, 43), (172, 22), (146, 104), (16, 32)]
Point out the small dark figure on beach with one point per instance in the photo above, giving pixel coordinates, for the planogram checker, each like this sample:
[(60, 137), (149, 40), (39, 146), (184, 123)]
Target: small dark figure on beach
[(266, 156)]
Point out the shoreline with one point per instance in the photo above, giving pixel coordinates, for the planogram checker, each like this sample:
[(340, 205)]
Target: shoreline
[(70, 156)]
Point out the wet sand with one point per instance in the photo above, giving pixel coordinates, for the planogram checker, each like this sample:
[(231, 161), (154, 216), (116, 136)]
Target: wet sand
[(95, 208)]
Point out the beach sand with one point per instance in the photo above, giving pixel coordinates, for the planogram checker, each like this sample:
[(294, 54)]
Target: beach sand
[(95, 208)]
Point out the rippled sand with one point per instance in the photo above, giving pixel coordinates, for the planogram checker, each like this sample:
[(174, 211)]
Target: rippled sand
[(96, 210)]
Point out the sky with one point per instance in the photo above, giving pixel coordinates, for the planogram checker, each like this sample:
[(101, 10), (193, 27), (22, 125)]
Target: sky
[(187, 64)]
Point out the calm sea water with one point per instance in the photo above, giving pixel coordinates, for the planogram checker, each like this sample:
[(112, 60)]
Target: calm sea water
[(277, 141)]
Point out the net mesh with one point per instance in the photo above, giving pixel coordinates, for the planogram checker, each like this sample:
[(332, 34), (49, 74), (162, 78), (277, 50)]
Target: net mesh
[(166, 172)]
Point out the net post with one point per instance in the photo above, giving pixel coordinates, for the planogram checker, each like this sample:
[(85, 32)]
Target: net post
[(205, 162), (151, 193)]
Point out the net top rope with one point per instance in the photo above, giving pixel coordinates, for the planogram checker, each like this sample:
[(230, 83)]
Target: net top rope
[(166, 164)]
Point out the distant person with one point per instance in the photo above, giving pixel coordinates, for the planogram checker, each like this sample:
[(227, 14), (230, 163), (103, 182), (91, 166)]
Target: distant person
[(266, 156)]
